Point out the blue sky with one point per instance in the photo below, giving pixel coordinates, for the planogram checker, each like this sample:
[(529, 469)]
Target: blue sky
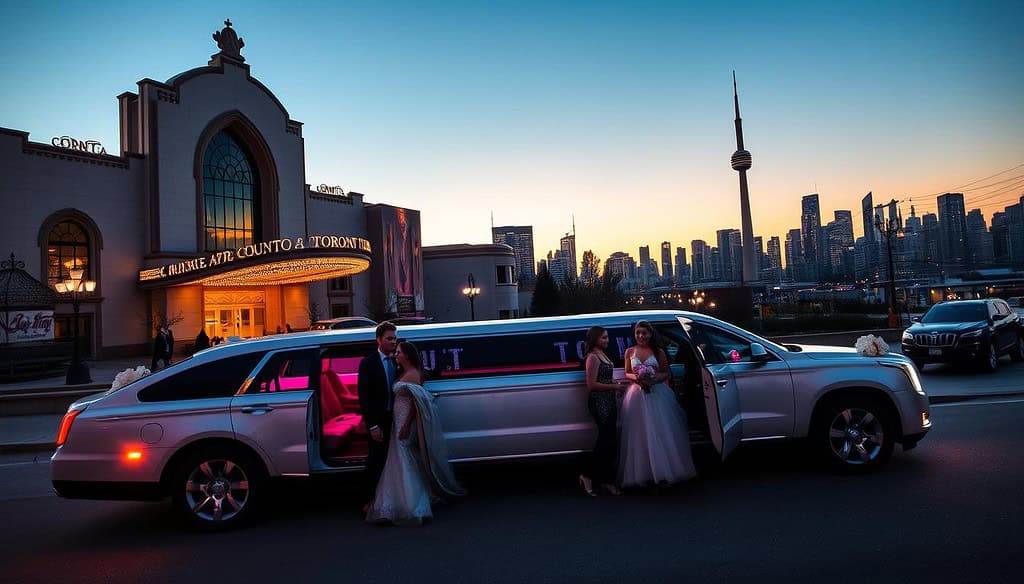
[(619, 112)]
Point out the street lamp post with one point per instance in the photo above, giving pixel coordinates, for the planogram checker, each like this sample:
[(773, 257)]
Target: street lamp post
[(78, 372), (890, 230), (471, 291)]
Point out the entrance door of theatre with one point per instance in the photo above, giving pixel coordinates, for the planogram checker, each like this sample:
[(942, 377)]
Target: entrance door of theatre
[(234, 313)]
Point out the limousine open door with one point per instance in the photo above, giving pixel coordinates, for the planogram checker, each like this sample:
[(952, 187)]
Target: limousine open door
[(721, 400)]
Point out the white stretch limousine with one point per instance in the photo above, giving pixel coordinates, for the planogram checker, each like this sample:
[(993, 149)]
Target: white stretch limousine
[(210, 430)]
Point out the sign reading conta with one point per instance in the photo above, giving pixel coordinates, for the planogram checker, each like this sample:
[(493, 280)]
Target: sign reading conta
[(278, 261), (69, 143)]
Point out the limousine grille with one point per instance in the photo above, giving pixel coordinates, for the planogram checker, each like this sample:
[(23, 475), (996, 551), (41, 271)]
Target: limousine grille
[(935, 339)]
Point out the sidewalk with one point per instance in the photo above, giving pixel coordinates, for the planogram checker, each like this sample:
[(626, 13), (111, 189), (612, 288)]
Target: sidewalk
[(102, 373)]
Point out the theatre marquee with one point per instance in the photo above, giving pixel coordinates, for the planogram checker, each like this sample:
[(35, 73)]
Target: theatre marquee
[(289, 260)]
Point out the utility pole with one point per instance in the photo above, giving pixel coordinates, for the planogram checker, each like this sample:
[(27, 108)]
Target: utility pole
[(890, 228)]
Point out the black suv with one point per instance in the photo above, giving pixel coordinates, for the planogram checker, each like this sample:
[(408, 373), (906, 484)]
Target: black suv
[(976, 331)]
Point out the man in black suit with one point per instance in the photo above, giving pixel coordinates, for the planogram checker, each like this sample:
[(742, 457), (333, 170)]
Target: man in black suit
[(377, 375)]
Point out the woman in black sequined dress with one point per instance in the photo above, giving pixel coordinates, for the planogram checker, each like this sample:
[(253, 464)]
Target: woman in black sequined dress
[(603, 406)]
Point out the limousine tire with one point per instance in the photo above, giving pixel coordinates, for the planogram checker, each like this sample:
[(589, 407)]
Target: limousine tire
[(216, 488), (855, 433)]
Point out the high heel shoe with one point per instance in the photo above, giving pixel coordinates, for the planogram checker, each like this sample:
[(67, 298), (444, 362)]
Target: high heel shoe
[(611, 489), (587, 486)]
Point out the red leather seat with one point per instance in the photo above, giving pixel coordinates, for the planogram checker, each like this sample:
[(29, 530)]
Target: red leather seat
[(340, 406)]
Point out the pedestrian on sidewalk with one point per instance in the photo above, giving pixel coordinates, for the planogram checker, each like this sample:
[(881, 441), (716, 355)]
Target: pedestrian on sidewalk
[(163, 344), (202, 341)]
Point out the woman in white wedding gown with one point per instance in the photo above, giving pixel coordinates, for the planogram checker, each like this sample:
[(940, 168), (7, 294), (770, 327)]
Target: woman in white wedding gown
[(417, 472), (654, 446)]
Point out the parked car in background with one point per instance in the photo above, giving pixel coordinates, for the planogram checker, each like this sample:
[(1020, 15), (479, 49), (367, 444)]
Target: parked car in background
[(965, 331), (1016, 304), (345, 322), (209, 431)]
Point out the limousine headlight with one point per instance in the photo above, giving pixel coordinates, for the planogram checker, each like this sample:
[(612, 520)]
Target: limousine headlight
[(910, 371)]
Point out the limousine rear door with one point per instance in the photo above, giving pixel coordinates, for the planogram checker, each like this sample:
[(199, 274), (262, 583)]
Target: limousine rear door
[(270, 413), (721, 401)]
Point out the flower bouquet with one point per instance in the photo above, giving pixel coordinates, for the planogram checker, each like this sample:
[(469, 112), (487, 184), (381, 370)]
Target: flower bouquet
[(128, 376), (645, 376), (871, 346)]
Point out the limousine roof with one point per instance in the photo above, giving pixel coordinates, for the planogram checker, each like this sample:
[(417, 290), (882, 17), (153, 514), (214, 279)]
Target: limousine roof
[(446, 329)]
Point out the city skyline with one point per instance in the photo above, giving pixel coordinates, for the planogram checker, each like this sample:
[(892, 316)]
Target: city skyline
[(608, 116)]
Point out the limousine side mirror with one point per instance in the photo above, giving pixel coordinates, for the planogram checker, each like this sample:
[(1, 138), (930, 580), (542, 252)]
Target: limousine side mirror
[(915, 319), (758, 354)]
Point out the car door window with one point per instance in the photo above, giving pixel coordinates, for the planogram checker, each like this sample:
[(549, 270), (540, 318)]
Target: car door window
[(1003, 308), (719, 346), (220, 378), (287, 371)]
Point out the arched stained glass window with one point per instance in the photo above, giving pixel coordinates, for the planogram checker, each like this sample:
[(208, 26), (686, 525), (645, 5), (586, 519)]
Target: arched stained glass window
[(67, 246), (230, 186)]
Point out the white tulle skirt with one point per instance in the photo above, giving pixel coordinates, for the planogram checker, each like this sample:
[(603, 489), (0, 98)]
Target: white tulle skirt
[(654, 447)]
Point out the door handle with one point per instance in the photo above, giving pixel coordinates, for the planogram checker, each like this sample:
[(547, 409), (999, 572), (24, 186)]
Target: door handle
[(722, 382), (257, 410)]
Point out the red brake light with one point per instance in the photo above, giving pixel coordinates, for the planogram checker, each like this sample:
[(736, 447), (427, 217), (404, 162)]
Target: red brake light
[(65, 425)]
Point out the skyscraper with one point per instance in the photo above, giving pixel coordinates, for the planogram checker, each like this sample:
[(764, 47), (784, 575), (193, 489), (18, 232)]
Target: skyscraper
[(567, 245), (701, 258), (979, 240), (520, 239), (868, 218), (775, 258), (953, 232), (682, 268), (794, 255), (729, 251), (666, 261), (810, 233), (643, 268), (741, 162), (558, 266)]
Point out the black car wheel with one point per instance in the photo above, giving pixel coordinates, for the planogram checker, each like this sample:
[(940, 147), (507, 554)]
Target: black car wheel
[(854, 434), (990, 359), (217, 488), (1017, 353)]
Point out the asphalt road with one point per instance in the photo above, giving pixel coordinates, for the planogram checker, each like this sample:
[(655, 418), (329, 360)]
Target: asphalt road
[(949, 511)]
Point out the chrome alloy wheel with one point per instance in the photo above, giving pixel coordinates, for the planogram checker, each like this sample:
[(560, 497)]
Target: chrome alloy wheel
[(993, 357), (217, 490), (856, 436)]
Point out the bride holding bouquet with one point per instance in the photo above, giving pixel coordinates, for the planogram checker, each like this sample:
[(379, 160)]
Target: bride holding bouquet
[(655, 439)]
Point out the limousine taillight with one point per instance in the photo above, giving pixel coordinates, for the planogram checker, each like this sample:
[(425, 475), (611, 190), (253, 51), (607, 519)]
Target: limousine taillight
[(65, 425)]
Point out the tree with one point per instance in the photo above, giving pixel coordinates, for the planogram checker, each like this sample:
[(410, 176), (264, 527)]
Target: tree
[(590, 268), (546, 300), (603, 294)]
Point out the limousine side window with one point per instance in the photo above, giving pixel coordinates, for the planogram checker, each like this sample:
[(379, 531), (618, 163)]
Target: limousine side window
[(519, 354), (220, 378), (288, 371), (720, 346)]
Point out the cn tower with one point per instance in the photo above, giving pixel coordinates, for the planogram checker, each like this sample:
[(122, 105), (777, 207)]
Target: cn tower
[(741, 162)]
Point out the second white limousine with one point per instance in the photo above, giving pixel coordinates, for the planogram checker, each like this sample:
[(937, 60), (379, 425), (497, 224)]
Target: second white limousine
[(210, 430)]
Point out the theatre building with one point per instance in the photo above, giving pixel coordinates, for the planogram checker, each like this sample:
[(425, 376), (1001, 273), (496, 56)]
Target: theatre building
[(201, 217)]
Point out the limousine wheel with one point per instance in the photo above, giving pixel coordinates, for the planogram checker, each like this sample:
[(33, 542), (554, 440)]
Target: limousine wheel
[(215, 489), (855, 434)]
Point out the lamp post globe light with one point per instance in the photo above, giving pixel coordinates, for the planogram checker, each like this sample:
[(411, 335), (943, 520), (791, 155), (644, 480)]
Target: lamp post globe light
[(471, 291), (78, 371)]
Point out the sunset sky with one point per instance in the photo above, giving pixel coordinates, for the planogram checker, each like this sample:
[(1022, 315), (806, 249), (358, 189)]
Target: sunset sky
[(617, 112)]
